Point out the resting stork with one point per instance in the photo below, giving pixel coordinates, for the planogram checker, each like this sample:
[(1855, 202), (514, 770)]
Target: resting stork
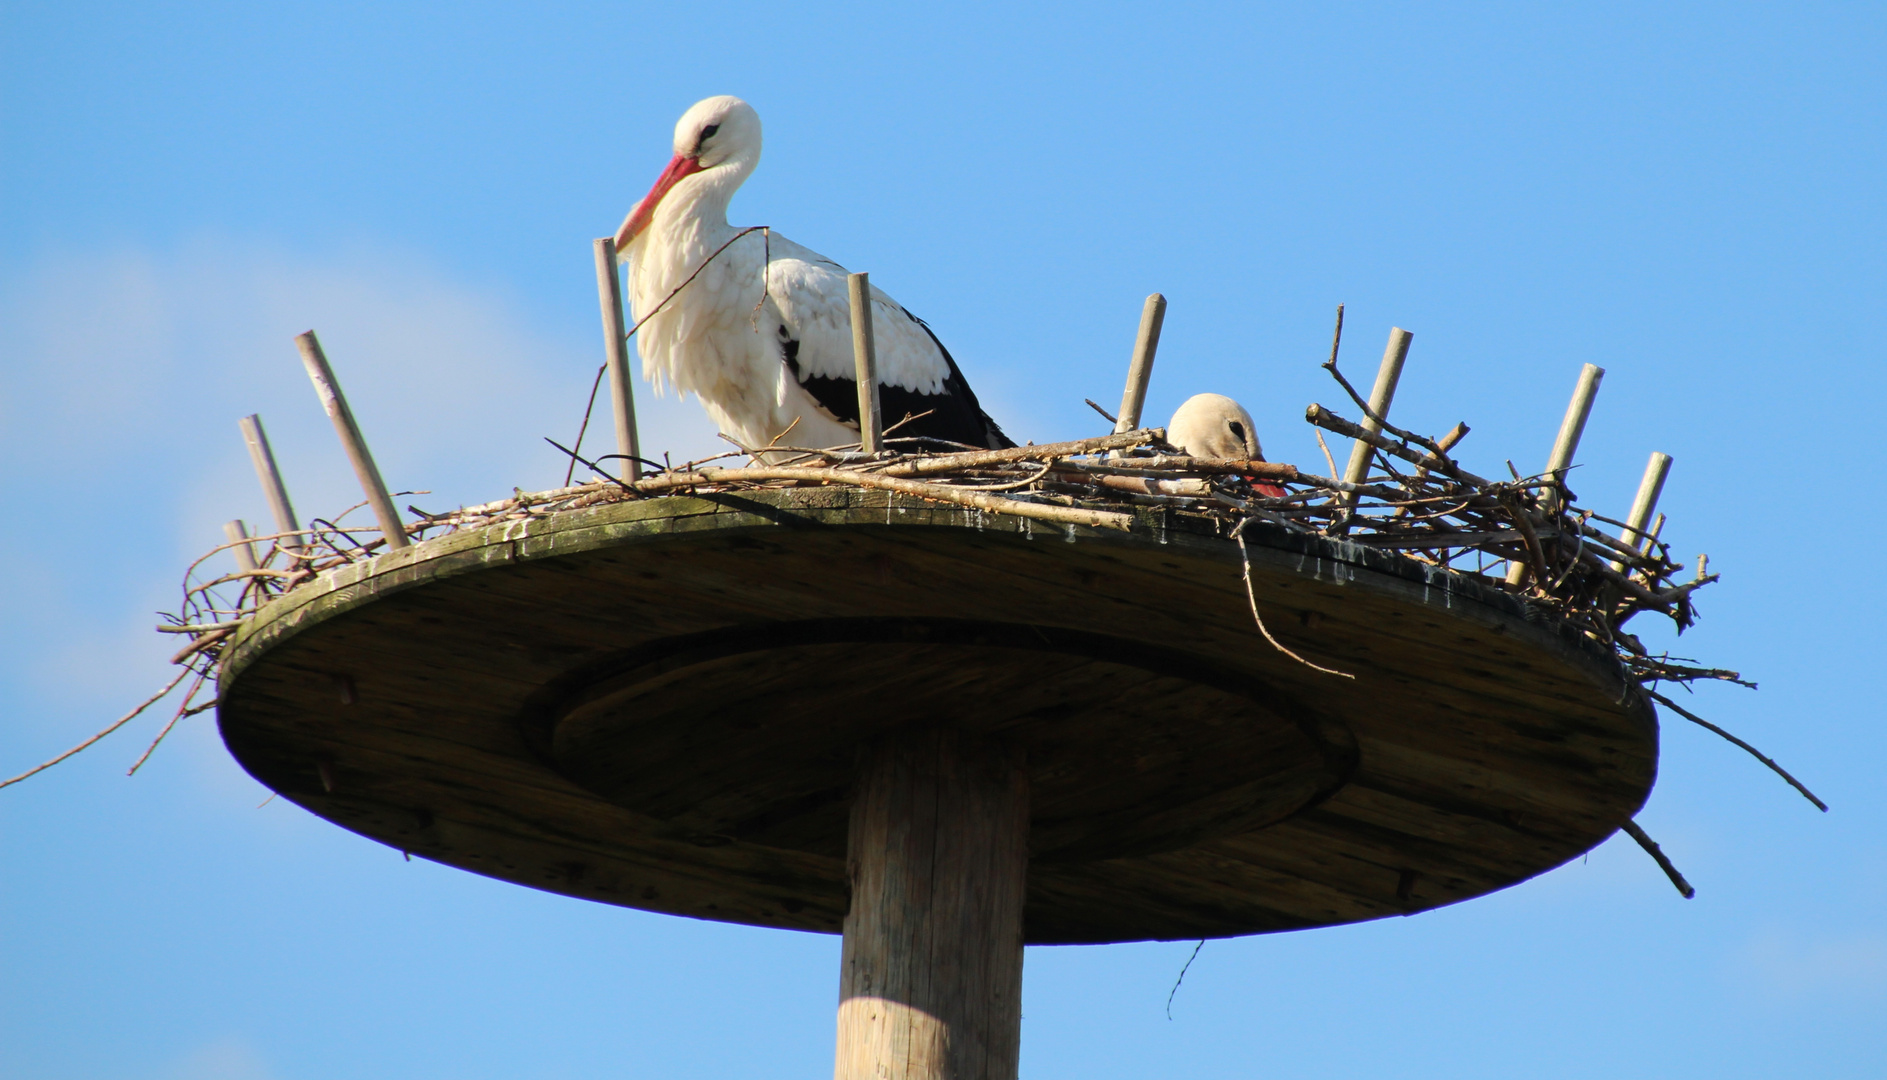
[(763, 332), (1215, 426)]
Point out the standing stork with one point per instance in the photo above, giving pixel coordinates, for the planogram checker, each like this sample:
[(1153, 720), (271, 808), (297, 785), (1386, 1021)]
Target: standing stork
[(763, 332)]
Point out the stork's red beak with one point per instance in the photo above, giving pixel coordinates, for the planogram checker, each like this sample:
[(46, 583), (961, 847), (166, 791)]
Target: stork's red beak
[(639, 218)]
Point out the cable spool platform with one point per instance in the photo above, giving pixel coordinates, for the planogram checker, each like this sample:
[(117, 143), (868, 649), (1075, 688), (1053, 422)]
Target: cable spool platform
[(673, 704)]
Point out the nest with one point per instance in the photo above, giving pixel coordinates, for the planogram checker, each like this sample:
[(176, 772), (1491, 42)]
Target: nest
[(1524, 534), (1415, 500)]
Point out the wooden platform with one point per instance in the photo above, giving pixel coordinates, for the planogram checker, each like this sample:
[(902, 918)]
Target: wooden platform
[(661, 704)]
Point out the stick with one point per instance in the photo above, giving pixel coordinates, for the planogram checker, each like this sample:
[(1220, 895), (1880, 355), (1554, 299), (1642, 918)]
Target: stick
[(1330, 421), (865, 364), (1108, 416), (1572, 428), (182, 711), (1632, 830), (1238, 534), (1755, 753), (245, 552), (976, 458), (1564, 447), (271, 478), (1188, 965), (1140, 368), (1646, 501), (351, 439), (616, 356), (1394, 354), (1067, 515), (120, 722), (1161, 466), (1336, 343)]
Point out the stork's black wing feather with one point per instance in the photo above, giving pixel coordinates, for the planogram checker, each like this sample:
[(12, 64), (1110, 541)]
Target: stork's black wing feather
[(954, 414)]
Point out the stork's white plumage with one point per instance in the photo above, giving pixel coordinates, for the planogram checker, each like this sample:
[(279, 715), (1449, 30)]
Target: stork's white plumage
[(763, 336), (1215, 426)]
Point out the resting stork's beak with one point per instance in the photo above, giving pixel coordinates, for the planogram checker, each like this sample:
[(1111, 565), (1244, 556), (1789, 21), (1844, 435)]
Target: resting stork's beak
[(681, 166)]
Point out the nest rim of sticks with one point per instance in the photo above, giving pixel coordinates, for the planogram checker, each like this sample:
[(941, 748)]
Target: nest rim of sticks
[(1434, 513)]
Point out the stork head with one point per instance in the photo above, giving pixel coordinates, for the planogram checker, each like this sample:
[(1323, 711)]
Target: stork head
[(721, 132), (1214, 426)]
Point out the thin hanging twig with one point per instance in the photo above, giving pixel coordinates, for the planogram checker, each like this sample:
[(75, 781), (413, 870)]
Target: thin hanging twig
[(1238, 534), (1195, 954)]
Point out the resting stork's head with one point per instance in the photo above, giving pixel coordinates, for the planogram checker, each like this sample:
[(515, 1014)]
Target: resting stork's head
[(1214, 426), (717, 133)]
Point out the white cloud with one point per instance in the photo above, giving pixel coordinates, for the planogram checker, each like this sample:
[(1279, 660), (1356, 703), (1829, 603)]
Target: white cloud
[(225, 1059), (1792, 963), (122, 376)]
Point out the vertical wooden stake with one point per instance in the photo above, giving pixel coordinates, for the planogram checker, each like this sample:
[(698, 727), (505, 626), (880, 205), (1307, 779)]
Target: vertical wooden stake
[(1565, 446), (235, 533), (329, 391), (271, 478), (1646, 501), (616, 356), (1379, 400), (931, 983), (865, 365), (1140, 368), (1572, 427)]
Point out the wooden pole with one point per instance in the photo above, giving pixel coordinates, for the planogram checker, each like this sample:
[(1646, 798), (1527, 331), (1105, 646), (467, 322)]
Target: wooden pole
[(1140, 368), (931, 983), (235, 532), (865, 365), (1393, 357), (1573, 427), (1565, 446), (271, 479), (329, 391), (616, 356), (1646, 501)]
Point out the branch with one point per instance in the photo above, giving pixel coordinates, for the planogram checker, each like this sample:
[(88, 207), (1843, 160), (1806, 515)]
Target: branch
[(121, 721), (1755, 753)]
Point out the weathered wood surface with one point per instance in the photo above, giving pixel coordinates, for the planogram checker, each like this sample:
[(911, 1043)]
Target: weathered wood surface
[(931, 979), (659, 704)]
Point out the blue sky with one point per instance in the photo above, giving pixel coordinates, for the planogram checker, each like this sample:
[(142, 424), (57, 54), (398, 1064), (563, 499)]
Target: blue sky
[(1689, 196)]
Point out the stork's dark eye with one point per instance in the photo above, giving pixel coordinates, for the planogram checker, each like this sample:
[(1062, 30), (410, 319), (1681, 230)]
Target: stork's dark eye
[(708, 132), (1238, 430)]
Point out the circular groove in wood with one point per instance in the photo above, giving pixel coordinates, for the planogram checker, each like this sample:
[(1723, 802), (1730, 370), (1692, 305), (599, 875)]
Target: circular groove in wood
[(751, 734)]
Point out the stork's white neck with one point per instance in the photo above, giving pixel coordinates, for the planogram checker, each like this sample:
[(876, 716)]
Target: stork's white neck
[(695, 211)]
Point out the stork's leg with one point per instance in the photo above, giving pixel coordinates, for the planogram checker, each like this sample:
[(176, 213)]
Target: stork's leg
[(931, 987)]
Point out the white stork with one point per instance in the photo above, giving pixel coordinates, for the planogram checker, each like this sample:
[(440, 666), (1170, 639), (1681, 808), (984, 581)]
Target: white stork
[(763, 334), (1215, 426)]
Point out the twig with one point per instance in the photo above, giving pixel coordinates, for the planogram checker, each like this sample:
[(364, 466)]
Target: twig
[(1108, 416), (1632, 830), (120, 722), (1105, 519), (182, 711), (1325, 447), (1202, 941), (588, 408), (1753, 752), (1238, 534), (908, 419)]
